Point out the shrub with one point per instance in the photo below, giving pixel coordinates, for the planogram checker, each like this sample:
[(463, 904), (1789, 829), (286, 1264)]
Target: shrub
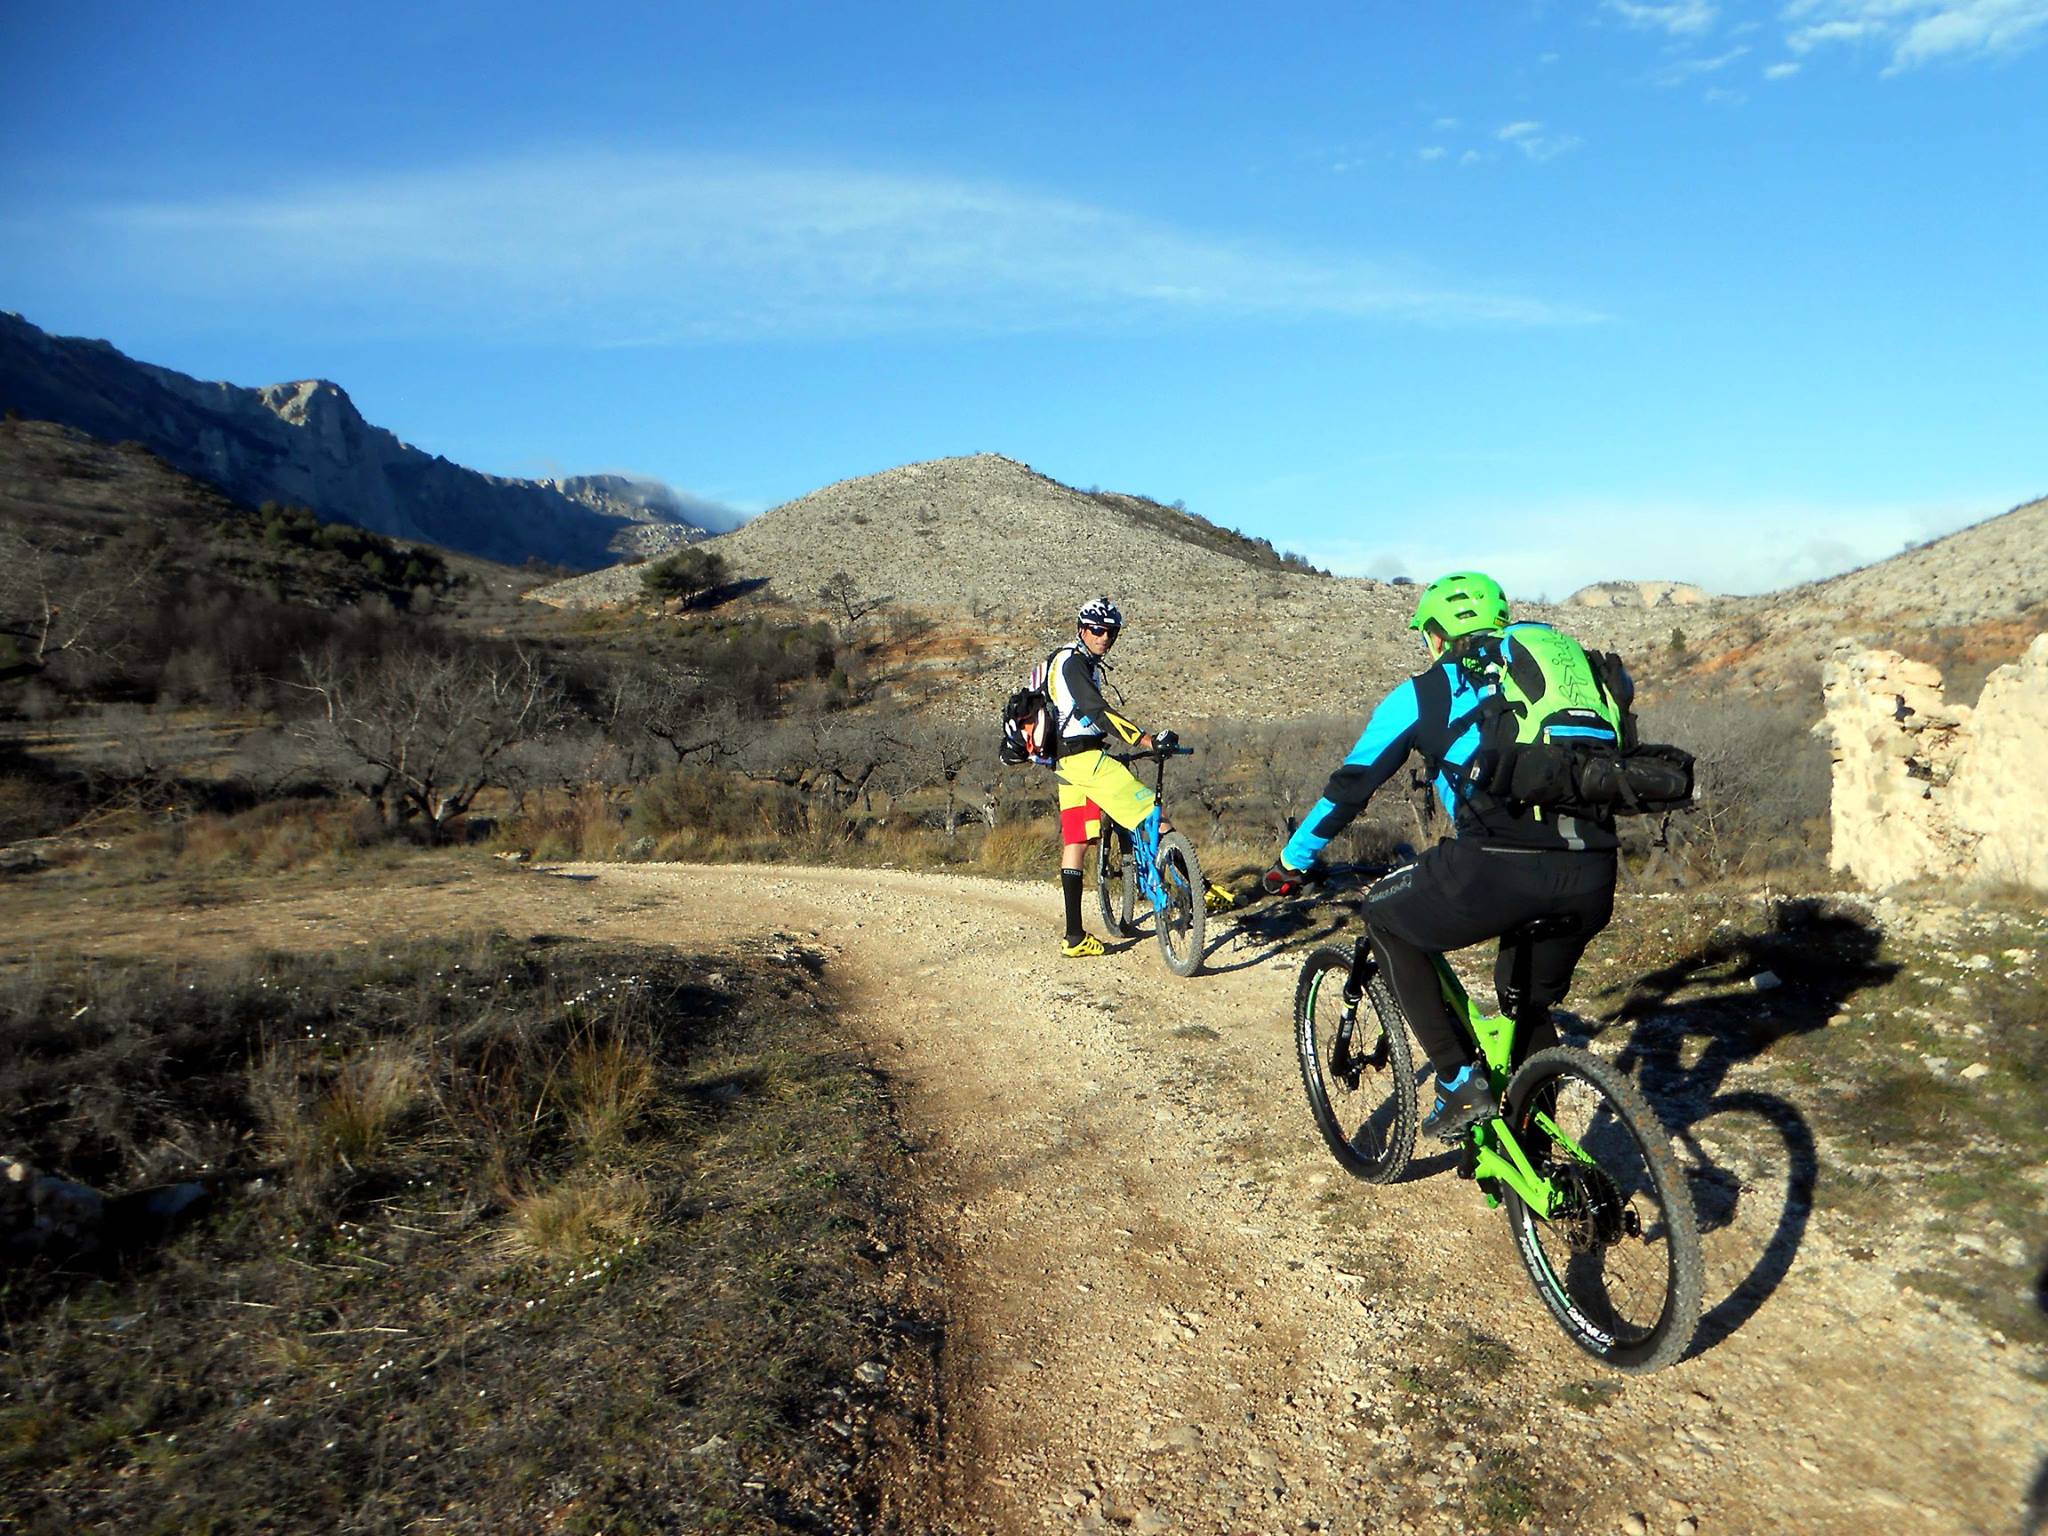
[(684, 575), (1025, 847)]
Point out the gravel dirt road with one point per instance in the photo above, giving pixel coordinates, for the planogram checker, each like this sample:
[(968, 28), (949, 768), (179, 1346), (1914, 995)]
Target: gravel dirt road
[(1168, 1310)]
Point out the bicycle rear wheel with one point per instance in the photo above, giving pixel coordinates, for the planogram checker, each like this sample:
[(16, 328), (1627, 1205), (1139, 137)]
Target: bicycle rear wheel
[(1116, 880), (1359, 1074), (1182, 920), (1618, 1263)]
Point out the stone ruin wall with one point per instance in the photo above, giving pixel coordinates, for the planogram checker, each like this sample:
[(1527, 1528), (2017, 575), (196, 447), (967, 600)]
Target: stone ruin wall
[(1926, 788)]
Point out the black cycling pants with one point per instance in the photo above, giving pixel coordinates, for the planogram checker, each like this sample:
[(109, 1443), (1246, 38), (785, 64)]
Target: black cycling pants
[(1462, 892)]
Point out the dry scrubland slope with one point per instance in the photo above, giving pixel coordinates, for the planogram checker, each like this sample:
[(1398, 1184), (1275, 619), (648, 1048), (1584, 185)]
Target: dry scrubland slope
[(1216, 626), (1973, 599)]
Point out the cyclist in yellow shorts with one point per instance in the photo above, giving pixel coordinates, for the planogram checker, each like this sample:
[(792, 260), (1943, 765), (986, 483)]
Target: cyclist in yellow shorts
[(1092, 783)]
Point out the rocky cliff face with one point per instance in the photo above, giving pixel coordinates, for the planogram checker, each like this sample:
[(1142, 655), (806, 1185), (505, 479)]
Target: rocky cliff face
[(653, 521), (1639, 594), (1928, 788), (307, 443)]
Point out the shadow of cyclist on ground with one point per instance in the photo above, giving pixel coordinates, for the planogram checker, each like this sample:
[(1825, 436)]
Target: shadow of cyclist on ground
[(1822, 954), (1273, 931), (2036, 1522)]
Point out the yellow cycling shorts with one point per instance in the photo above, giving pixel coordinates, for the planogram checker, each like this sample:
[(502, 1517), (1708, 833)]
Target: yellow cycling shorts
[(1094, 785)]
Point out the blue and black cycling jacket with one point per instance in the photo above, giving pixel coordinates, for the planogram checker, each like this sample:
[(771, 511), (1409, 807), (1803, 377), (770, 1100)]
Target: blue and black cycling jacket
[(1436, 714)]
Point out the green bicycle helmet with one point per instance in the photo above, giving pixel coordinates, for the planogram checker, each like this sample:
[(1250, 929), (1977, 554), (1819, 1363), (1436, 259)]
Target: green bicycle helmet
[(1462, 603)]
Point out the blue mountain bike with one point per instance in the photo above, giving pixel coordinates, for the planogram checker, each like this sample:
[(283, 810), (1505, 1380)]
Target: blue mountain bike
[(1163, 871)]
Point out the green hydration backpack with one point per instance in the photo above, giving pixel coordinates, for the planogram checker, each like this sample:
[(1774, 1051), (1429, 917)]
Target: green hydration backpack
[(1558, 731)]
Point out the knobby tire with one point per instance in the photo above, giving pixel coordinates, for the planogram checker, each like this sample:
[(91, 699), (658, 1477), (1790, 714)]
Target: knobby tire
[(1182, 922), (1116, 882), (1369, 1129), (1620, 1268)]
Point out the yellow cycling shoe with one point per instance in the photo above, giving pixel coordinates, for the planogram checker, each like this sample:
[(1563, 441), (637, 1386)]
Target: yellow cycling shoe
[(1083, 947), (1217, 899)]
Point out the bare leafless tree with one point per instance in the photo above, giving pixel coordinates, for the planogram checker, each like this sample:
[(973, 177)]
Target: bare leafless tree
[(844, 594), (56, 601), (936, 755), (831, 760), (674, 706), (426, 729)]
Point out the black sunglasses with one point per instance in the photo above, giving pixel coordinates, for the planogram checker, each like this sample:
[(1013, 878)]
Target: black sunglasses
[(1100, 629)]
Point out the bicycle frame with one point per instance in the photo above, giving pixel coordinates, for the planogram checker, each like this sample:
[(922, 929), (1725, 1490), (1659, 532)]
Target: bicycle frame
[(1496, 1154), (1158, 755)]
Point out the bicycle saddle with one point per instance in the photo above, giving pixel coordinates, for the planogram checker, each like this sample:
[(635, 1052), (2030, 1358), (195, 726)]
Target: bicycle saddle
[(1551, 925)]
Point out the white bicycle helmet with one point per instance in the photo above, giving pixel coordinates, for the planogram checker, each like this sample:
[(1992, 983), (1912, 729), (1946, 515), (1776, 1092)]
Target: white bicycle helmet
[(1100, 610)]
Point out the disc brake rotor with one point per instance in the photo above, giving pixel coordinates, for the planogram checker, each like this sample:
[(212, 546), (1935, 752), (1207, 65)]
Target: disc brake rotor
[(1592, 1213)]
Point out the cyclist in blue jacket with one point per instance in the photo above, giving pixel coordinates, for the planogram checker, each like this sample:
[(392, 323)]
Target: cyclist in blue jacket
[(1504, 865)]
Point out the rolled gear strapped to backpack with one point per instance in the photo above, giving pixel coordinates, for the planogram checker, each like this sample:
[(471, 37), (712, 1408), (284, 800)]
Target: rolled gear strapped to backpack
[(1560, 733)]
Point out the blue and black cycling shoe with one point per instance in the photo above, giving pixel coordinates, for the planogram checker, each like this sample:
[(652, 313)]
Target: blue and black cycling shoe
[(1462, 1102)]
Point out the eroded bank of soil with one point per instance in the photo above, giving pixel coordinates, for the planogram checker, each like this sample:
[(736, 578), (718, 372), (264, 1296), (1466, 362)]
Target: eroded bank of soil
[(1168, 1310)]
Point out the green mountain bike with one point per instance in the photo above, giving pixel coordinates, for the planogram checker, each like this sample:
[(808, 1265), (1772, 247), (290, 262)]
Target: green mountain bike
[(1600, 1215), (1171, 880)]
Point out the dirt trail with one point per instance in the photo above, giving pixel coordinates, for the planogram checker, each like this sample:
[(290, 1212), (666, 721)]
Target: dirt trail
[(1168, 1310)]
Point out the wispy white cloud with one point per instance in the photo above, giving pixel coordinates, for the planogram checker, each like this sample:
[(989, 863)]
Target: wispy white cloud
[(1431, 152), (1561, 545), (1680, 18), (624, 250), (1533, 140), (1679, 71), (1917, 32), (1780, 71)]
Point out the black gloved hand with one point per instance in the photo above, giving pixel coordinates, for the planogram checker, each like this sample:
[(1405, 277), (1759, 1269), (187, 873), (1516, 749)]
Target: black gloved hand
[(1167, 739)]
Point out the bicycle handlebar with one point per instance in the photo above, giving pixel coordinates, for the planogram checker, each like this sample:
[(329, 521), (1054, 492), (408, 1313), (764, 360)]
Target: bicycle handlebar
[(1332, 878)]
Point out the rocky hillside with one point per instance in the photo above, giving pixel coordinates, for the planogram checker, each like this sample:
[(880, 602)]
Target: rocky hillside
[(1218, 625), (70, 495), (1968, 602), (1640, 594), (305, 443), (655, 521)]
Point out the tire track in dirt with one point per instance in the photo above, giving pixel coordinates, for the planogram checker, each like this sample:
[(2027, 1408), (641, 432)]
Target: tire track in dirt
[(1168, 1310)]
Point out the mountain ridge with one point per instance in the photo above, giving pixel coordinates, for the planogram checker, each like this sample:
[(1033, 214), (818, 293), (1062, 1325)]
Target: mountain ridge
[(306, 442)]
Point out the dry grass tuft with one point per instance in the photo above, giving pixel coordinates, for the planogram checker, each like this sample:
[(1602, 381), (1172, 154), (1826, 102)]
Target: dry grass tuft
[(1022, 848), (608, 1085), (581, 1217), (369, 1097)]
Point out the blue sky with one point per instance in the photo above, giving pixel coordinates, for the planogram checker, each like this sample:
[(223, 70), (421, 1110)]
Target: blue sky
[(1733, 293)]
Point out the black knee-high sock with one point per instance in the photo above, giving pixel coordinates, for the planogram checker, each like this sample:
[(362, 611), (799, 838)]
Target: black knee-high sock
[(1070, 886)]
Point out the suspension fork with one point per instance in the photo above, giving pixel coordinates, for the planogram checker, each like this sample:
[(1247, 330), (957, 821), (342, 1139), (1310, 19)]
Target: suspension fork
[(1364, 966)]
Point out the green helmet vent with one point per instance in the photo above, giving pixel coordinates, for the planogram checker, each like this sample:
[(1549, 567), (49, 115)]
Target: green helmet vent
[(1462, 603)]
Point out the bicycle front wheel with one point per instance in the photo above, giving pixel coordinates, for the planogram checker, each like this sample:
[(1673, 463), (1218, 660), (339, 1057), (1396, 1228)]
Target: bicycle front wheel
[(1116, 880), (1618, 1261), (1359, 1073), (1182, 920)]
